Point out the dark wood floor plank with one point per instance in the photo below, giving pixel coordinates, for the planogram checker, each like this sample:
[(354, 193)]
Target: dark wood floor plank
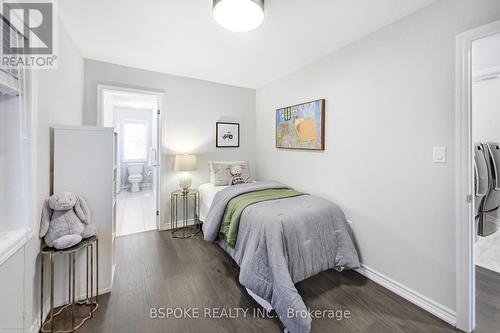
[(487, 301), (155, 270)]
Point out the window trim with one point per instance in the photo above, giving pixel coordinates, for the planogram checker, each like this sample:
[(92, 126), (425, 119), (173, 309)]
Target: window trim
[(19, 238)]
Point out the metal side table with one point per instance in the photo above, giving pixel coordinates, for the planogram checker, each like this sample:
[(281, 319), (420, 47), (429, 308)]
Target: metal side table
[(89, 245), (185, 230)]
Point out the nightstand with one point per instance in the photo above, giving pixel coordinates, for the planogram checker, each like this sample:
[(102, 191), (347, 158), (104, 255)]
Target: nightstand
[(190, 225), (91, 246)]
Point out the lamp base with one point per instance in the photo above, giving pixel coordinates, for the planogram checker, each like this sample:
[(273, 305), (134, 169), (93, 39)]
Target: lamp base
[(185, 182)]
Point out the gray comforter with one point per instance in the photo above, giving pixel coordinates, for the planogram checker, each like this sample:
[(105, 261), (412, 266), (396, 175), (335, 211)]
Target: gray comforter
[(284, 241)]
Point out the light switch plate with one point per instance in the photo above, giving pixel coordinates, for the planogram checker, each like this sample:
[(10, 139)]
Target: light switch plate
[(439, 155)]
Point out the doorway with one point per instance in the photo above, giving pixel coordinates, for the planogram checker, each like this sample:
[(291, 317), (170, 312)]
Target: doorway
[(136, 118), (485, 120), (478, 179)]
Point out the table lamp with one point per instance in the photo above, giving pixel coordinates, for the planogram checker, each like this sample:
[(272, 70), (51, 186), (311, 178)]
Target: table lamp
[(185, 163)]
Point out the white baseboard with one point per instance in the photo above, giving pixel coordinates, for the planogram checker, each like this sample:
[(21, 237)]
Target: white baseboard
[(429, 305), (35, 326)]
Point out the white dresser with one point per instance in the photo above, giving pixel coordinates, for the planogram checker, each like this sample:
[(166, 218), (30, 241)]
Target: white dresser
[(84, 162)]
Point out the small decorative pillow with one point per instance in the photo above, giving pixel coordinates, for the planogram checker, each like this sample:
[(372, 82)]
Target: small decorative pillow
[(220, 171)]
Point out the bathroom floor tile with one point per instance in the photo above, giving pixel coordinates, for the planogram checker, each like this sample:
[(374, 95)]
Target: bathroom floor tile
[(487, 252), (135, 212)]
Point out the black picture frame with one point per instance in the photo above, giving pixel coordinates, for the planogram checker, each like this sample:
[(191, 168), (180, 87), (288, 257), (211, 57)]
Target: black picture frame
[(222, 126)]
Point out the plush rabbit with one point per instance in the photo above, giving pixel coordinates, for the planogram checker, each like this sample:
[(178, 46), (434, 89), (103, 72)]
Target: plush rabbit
[(65, 220), (236, 175)]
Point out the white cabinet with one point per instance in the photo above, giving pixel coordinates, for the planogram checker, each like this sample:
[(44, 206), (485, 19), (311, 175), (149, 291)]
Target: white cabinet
[(84, 163)]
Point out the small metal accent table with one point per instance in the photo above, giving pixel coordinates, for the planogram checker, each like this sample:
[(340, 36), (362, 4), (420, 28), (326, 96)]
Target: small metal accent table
[(184, 231), (89, 245)]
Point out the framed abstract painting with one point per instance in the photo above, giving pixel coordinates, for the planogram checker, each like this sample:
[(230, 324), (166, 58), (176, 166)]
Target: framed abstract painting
[(301, 126)]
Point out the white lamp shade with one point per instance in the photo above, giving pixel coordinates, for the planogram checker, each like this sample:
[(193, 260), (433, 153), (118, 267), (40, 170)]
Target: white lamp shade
[(239, 15), (185, 162)]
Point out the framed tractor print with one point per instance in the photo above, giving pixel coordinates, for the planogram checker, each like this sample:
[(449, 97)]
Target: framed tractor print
[(227, 135)]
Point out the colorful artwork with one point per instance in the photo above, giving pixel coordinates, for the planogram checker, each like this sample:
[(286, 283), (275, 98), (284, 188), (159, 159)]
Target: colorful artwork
[(301, 126)]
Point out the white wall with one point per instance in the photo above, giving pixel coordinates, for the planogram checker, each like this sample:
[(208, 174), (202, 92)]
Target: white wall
[(486, 111), (192, 108), (390, 98), (59, 101)]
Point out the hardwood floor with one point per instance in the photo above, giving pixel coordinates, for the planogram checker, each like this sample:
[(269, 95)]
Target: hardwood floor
[(154, 270), (487, 301)]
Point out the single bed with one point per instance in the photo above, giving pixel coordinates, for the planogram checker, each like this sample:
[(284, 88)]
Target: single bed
[(279, 242)]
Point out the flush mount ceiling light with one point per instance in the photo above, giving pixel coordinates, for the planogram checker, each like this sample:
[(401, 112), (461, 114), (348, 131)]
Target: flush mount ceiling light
[(239, 15)]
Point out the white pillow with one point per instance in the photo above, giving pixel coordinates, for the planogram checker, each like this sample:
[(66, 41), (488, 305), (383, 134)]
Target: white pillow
[(220, 171)]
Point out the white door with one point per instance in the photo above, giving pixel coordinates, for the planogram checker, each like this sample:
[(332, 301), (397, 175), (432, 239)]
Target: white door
[(155, 161)]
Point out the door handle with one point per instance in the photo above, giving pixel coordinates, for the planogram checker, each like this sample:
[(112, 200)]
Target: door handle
[(153, 161)]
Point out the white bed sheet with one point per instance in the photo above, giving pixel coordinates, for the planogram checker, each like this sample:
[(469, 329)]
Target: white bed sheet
[(206, 194)]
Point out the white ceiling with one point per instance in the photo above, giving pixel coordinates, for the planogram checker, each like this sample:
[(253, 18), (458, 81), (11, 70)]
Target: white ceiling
[(180, 37)]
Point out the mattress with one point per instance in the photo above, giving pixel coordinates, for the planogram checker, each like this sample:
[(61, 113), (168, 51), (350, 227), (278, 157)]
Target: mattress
[(206, 194)]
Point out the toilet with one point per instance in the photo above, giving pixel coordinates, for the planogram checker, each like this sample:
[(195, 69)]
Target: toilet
[(135, 176)]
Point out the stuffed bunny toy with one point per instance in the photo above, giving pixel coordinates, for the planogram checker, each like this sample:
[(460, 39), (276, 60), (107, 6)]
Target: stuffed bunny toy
[(65, 220), (236, 175)]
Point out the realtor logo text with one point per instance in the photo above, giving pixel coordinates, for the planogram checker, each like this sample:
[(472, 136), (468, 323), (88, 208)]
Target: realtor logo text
[(28, 34), (234, 313)]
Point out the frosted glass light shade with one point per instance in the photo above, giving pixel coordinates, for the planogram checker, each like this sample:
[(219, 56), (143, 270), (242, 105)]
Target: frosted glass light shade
[(239, 15), (185, 162)]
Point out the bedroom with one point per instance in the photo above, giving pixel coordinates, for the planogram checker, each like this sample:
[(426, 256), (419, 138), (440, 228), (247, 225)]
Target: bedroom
[(387, 73)]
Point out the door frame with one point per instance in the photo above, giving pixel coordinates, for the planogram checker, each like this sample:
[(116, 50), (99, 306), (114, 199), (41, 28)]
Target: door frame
[(162, 101), (464, 200)]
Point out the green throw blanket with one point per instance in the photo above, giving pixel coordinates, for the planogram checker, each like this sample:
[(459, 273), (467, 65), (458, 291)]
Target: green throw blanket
[(231, 221)]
